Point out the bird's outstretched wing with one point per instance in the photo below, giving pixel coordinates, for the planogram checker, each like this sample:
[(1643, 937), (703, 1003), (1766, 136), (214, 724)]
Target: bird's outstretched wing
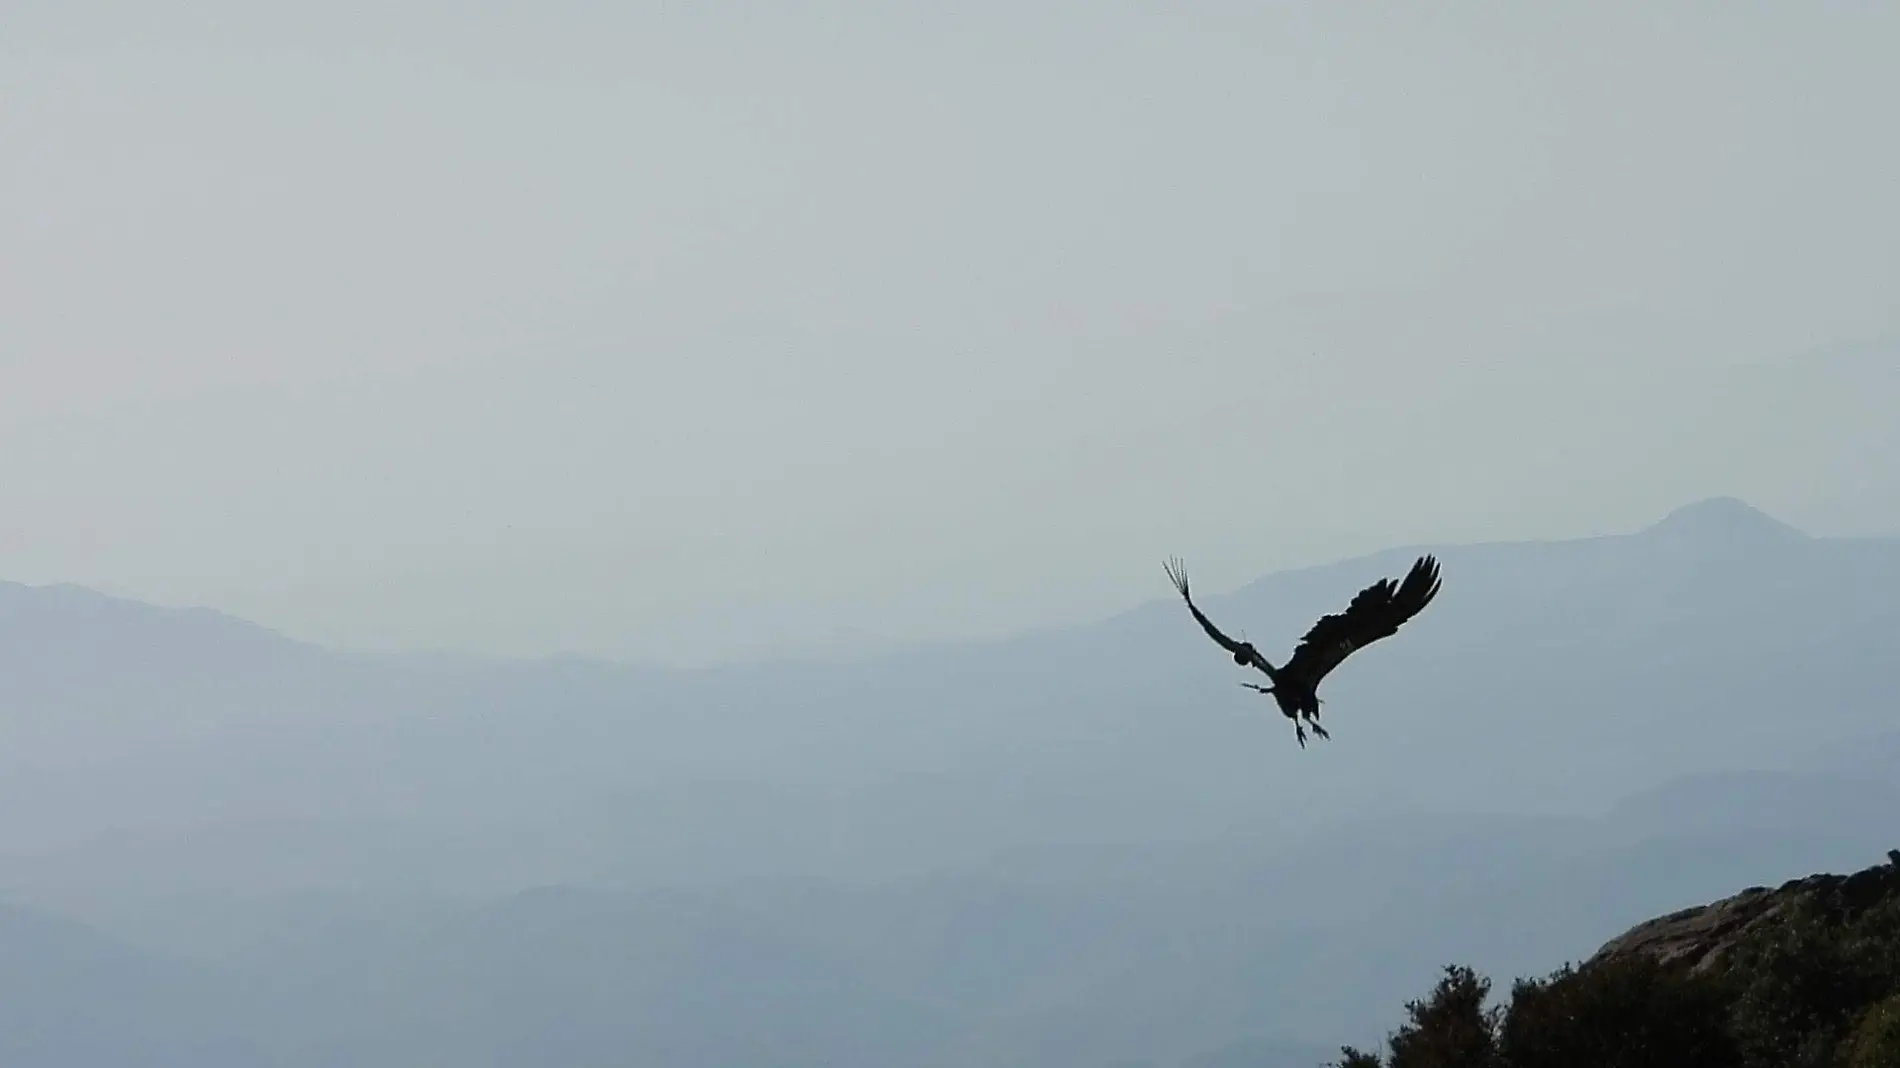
[(1242, 651), (1375, 612)]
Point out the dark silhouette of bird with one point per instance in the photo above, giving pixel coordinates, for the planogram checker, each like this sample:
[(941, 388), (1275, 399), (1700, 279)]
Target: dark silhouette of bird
[(1376, 612)]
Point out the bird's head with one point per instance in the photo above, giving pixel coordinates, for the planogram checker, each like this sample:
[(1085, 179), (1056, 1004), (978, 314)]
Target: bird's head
[(1245, 655)]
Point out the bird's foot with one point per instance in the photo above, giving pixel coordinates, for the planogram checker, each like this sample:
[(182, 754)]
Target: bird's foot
[(1299, 734), (1321, 731)]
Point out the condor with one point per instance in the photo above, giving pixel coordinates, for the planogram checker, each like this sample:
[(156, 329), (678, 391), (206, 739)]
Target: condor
[(1376, 612)]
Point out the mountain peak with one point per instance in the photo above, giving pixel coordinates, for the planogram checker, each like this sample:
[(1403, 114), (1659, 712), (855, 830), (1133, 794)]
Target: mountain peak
[(1723, 519)]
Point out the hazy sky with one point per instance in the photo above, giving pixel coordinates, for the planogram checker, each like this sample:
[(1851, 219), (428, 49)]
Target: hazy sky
[(687, 331)]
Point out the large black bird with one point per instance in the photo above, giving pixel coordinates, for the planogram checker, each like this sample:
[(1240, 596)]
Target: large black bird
[(1375, 612)]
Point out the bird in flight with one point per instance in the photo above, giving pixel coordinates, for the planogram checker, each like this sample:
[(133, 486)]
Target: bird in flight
[(1375, 612)]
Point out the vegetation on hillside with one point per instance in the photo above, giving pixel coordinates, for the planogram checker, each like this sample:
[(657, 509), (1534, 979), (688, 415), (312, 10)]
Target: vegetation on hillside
[(1817, 986)]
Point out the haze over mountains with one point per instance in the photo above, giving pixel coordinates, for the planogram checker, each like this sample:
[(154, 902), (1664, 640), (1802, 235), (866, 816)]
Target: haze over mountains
[(1084, 847)]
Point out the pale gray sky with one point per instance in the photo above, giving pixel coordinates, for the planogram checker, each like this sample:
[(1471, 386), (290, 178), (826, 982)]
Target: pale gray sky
[(693, 331)]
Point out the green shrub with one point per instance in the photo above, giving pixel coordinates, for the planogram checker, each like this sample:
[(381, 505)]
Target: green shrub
[(1449, 1029), (1629, 1012), (1875, 1042)]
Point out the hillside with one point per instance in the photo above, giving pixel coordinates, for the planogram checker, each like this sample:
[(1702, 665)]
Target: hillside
[(1673, 650), (1704, 939), (72, 996), (1067, 849), (1804, 974)]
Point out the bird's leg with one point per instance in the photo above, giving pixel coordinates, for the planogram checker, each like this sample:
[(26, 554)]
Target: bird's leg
[(1312, 717), (1299, 731)]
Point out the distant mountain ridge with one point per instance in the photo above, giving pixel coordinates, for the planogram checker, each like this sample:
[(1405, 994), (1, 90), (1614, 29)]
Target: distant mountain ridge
[(1067, 849), (58, 607), (1628, 653), (961, 969)]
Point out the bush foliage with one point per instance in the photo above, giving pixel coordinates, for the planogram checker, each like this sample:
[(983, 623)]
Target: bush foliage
[(1819, 987)]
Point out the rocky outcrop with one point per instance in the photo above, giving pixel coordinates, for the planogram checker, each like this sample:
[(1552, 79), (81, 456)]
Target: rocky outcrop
[(1699, 938)]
